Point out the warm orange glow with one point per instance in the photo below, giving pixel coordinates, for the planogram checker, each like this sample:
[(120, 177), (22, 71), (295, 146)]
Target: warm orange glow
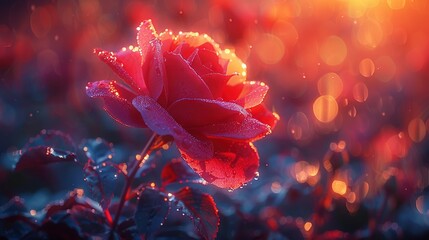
[(386, 68), (286, 31), (366, 67), (235, 66), (339, 187), (270, 49), (333, 50), (356, 9), (417, 130), (396, 4), (307, 226), (370, 33), (325, 108), (301, 175), (360, 92), (330, 84)]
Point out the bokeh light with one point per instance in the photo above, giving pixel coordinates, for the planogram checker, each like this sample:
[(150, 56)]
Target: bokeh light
[(325, 108), (366, 67), (333, 50), (330, 84)]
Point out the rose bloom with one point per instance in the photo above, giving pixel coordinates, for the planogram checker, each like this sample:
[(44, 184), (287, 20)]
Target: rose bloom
[(187, 88)]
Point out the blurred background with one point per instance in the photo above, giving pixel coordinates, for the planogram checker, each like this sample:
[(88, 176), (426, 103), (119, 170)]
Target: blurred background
[(349, 79)]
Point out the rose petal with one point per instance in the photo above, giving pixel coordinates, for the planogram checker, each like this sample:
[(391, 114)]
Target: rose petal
[(216, 83), (235, 65), (195, 62), (195, 40), (127, 65), (207, 46), (252, 94), (117, 102), (264, 115), (211, 60), (194, 112), (146, 34), (233, 164), (238, 128), (154, 69), (184, 50), (231, 93), (182, 80), (161, 122)]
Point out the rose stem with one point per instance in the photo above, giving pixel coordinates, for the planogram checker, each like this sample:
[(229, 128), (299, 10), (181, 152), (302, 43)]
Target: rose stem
[(129, 180)]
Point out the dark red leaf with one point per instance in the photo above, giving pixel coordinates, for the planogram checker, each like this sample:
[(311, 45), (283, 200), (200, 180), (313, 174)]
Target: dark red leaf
[(177, 171), (42, 155), (233, 164), (202, 210), (74, 198), (152, 210)]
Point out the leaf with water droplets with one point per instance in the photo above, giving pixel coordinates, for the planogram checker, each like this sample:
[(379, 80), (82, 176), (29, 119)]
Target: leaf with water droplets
[(98, 150), (202, 210), (102, 180), (177, 171), (74, 198), (38, 156), (152, 210), (15, 220), (52, 138), (76, 211)]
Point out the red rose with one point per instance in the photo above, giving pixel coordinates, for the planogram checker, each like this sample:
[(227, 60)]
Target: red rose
[(186, 87)]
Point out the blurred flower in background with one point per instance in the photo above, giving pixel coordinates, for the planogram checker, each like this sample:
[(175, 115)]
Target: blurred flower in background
[(348, 79)]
